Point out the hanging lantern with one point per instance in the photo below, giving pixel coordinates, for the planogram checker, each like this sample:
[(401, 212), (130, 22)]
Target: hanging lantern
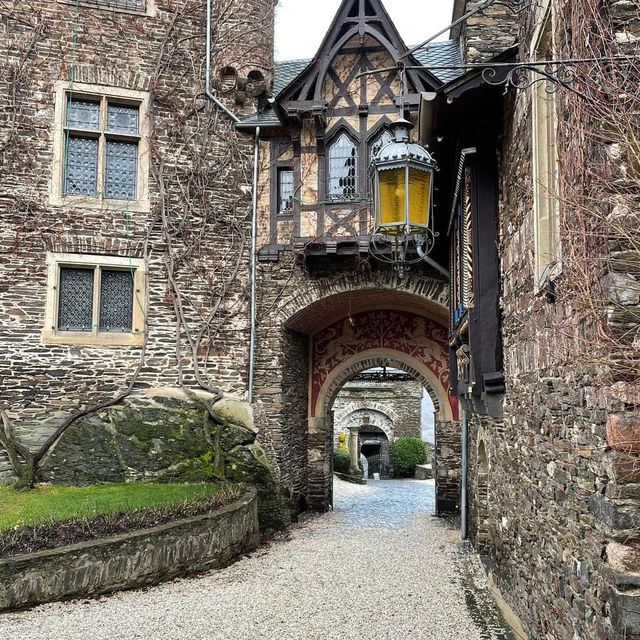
[(402, 185)]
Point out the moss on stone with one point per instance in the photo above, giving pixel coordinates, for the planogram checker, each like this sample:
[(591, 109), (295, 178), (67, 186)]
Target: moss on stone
[(164, 439)]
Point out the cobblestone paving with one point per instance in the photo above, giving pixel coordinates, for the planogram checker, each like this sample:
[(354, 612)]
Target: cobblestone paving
[(378, 567)]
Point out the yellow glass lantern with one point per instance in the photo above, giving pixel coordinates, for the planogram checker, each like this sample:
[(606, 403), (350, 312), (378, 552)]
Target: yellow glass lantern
[(402, 185)]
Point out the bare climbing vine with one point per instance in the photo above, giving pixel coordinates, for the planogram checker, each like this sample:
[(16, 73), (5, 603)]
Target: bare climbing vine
[(592, 299), (195, 238)]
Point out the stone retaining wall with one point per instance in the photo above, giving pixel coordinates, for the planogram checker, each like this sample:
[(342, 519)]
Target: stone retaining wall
[(131, 560)]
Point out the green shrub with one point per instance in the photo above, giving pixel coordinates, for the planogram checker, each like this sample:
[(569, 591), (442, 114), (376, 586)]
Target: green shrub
[(406, 454), (341, 461)]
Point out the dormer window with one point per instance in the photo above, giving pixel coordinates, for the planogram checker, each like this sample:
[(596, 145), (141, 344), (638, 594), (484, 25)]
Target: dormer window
[(343, 169)]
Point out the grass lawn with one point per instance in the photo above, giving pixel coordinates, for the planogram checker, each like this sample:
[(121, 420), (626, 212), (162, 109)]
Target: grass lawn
[(46, 504)]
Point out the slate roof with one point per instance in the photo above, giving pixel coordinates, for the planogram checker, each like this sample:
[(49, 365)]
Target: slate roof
[(266, 118), (446, 52), (286, 72)]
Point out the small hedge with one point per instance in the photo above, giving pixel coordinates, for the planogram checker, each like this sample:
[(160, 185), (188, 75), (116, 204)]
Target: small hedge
[(406, 454), (341, 461)]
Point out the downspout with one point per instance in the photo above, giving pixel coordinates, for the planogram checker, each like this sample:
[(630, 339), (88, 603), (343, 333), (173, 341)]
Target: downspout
[(431, 262), (207, 89), (254, 240), (463, 488)]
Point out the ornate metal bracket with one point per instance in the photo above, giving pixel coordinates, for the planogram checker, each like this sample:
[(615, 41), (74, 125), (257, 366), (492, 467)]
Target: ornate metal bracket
[(525, 75), (555, 73)]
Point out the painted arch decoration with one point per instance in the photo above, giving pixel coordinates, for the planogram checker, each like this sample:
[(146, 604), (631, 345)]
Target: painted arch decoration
[(414, 336)]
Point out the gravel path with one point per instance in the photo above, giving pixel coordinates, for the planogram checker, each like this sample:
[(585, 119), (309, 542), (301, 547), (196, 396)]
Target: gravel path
[(378, 567)]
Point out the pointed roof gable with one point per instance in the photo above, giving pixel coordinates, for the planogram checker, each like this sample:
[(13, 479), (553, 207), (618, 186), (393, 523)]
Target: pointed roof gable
[(355, 18)]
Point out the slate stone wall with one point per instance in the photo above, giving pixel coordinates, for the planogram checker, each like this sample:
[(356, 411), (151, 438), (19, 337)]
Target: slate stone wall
[(448, 466), (559, 514), (400, 399), (208, 177), (131, 560), (487, 34)]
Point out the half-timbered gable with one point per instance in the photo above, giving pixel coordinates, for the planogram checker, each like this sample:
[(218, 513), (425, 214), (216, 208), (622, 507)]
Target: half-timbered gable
[(329, 115)]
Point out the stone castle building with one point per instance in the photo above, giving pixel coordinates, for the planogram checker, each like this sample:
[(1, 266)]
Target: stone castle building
[(383, 406), (152, 244)]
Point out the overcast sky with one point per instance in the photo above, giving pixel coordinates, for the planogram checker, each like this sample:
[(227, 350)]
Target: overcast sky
[(301, 24)]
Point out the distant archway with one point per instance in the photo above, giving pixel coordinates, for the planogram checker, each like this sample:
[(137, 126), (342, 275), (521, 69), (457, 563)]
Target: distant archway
[(377, 418), (379, 358)]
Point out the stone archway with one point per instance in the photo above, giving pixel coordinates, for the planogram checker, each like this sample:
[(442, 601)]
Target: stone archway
[(321, 419), (378, 418), (323, 396), (324, 301), (333, 324)]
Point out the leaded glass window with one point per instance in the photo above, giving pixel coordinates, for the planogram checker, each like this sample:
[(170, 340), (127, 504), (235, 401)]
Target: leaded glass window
[(121, 170), (116, 300), (81, 175), (95, 296), (285, 191), (134, 4), (101, 148), (75, 299), (384, 138), (83, 114), (343, 168), (122, 119)]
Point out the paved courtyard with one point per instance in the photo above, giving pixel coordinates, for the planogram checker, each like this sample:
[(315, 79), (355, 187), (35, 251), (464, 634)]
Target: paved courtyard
[(378, 567)]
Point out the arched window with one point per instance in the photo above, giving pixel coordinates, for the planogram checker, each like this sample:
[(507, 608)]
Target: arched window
[(382, 139), (343, 168)]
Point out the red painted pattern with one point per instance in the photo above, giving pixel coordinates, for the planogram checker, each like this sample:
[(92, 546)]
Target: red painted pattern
[(408, 333)]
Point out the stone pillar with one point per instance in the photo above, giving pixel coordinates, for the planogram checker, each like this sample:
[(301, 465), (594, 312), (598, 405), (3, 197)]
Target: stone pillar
[(354, 452)]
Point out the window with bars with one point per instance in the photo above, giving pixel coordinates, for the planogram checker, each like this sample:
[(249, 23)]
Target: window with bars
[(93, 301), (343, 169), (285, 191), (101, 148)]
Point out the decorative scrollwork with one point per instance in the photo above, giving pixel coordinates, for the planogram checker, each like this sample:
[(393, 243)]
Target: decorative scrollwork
[(402, 250), (523, 76)]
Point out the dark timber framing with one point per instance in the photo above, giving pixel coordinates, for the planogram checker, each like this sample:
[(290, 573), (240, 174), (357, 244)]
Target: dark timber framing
[(345, 222)]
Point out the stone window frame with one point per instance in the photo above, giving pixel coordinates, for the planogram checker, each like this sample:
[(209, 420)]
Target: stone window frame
[(57, 197), (545, 171), (52, 335), (149, 8)]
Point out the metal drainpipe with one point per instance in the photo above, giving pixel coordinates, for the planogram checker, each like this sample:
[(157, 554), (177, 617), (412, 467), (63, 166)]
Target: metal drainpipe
[(254, 240), (432, 262), (463, 488), (207, 90)]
